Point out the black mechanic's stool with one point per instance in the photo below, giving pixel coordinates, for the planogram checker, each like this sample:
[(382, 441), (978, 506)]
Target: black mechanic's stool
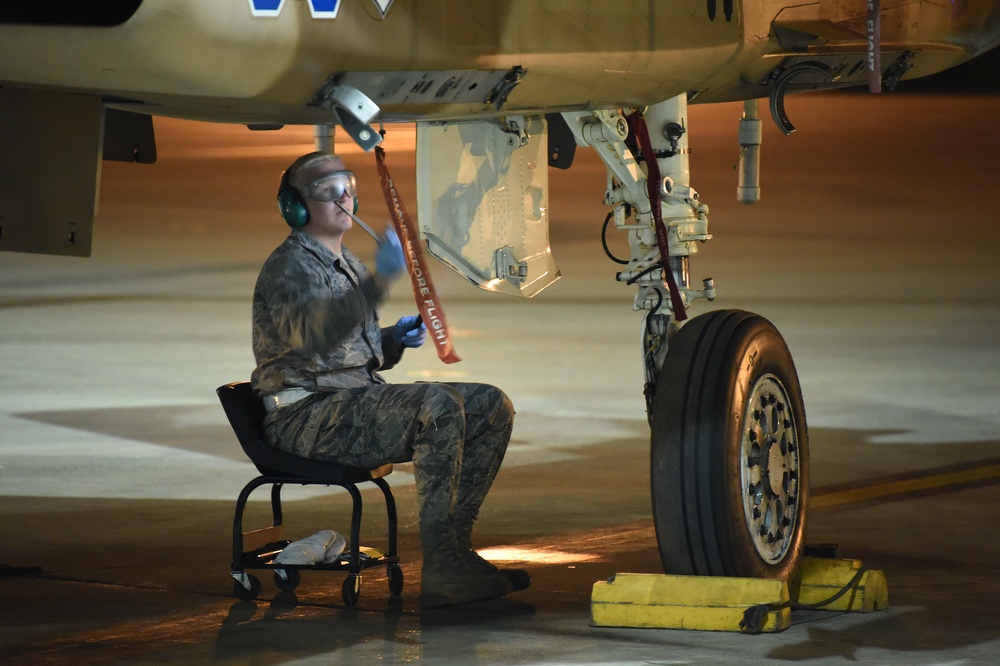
[(257, 549)]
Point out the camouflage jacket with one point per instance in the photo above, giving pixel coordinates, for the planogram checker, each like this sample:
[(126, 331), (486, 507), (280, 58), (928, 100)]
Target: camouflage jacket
[(315, 324)]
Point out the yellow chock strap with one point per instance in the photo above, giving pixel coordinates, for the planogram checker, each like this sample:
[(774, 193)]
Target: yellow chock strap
[(821, 578), (659, 601)]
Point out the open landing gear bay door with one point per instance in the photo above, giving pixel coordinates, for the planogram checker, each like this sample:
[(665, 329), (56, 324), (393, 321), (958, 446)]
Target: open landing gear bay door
[(50, 159), (50, 166), (483, 201)]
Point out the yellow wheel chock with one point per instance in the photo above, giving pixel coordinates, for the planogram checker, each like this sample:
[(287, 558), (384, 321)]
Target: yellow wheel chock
[(753, 605)]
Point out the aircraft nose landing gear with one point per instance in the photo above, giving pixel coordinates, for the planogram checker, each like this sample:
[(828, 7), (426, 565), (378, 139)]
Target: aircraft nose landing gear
[(729, 446)]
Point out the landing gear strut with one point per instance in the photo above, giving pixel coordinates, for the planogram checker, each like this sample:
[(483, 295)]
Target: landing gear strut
[(729, 446)]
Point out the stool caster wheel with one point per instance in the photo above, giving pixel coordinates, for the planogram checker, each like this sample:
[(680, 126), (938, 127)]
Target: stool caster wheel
[(351, 589), (395, 575), (287, 580), (246, 589)]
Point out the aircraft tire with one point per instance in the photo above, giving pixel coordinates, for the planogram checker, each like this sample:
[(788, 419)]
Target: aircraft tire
[(729, 451)]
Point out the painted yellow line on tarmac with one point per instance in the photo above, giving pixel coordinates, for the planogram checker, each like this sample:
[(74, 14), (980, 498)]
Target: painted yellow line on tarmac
[(905, 487)]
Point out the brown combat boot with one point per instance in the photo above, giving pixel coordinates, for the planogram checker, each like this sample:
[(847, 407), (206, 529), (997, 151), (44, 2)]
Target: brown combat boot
[(448, 579), (519, 579)]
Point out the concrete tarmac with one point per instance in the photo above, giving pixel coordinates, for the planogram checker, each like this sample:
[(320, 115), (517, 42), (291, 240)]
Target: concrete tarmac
[(874, 251)]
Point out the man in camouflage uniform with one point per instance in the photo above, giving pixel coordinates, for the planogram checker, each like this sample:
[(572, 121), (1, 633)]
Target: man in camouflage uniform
[(319, 346)]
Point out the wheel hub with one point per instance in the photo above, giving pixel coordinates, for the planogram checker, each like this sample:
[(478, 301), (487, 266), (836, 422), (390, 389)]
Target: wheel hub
[(770, 470)]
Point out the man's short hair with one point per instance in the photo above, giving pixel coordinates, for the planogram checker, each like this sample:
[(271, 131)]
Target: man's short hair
[(303, 163)]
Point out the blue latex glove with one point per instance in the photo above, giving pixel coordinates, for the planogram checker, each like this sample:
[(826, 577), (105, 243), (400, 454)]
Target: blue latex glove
[(389, 260), (409, 331)]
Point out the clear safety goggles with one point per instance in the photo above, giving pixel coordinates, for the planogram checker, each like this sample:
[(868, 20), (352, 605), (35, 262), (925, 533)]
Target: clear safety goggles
[(332, 186)]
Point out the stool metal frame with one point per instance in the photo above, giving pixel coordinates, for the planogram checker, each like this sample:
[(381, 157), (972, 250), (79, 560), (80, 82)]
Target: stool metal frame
[(258, 549)]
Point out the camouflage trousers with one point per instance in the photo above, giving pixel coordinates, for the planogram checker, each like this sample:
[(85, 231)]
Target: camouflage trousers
[(455, 434)]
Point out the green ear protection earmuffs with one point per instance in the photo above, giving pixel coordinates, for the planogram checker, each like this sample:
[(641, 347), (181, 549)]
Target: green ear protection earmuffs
[(292, 205)]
